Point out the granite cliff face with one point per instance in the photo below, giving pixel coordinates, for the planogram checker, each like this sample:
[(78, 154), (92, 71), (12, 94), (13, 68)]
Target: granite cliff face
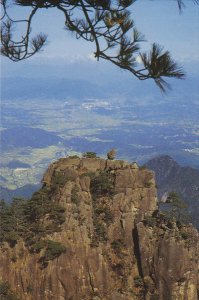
[(118, 246)]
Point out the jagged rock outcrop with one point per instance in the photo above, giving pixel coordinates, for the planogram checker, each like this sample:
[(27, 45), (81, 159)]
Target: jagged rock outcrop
[(118, 247)]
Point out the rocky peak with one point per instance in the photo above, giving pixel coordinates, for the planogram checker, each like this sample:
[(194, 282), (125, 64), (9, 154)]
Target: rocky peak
[(117, 244), (164, 166)]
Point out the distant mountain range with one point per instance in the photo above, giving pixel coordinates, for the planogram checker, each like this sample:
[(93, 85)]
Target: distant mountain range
[(21, 136), (170, 176), (25, 192), (98, 114), (48, 88)]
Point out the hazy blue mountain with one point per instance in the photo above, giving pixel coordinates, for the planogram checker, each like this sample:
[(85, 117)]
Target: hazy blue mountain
[(17, 164), (18, 137), (48, 88), (25, 192), (170, 176)]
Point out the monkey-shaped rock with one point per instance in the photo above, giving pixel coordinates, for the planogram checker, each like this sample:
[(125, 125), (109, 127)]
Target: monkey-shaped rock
[(111, 154)]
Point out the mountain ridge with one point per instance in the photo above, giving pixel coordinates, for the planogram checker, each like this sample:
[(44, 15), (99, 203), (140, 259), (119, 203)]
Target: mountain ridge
[(23, 136)]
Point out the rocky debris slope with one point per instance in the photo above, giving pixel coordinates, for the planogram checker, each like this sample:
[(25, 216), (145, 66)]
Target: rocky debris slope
[(117, 245)]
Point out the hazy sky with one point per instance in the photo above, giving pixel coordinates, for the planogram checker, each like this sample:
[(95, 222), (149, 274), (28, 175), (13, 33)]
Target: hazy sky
[(158, 20)]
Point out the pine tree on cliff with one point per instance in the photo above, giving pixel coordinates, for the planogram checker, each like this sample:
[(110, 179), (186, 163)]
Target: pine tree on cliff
[(108, 24), (177, 208)]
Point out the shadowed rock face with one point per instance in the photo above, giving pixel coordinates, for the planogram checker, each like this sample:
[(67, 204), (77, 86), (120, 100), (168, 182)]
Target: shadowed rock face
[(111, 252)]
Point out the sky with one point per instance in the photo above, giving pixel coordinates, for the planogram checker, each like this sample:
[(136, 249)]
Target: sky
[(159, 20)]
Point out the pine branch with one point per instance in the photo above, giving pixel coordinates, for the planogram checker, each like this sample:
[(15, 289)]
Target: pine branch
[(106, 23)]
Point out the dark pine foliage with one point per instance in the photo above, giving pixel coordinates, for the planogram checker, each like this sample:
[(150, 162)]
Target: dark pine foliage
[(6, 293), (31, 219), (102, 185)]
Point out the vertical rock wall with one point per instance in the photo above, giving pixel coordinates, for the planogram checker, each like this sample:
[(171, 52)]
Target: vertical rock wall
[(110, 252)]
